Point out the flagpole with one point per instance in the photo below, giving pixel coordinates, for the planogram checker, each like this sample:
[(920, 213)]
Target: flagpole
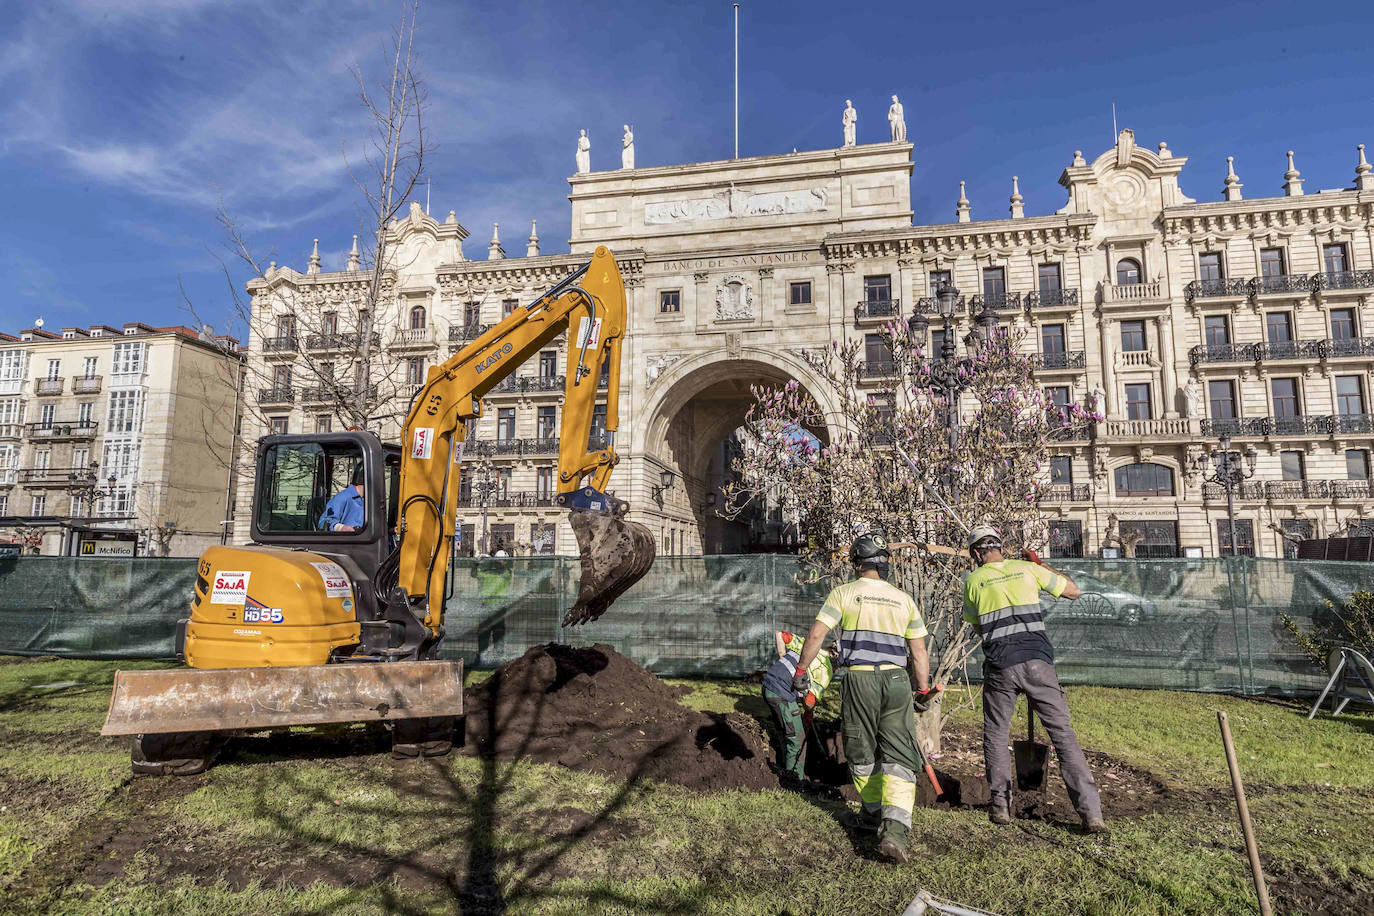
[(736, 80)]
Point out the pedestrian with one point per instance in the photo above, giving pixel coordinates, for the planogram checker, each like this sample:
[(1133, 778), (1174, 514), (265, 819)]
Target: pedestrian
[(880, 632), (1002, 599), (792, 712)]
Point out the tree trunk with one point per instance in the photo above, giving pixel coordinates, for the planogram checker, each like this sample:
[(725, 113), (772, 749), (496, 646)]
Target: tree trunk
[(929, 723)]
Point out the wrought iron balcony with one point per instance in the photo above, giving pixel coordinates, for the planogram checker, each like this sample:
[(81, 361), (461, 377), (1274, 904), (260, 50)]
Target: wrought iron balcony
[(1222, 353), (511, 448), (55, 431), (276, 395), (283, 344), (1066, 493), (508, 385), (1247, 426), (462, 333), (1132, 292), (878, 369), (928, 305), (49, 386), (56, 477), (995, 301), (1053, 298), (511, 499), (1049, 362), (1216, 289), (1077, 432), (541, 445), (1283, 283), (1289, 349), (86, 384), (1246, 490), (1297, 489), (1335, 347), (877, 309), (1345, 279), (337, 341), (547, 383), (1352, 423), (1351, 489)]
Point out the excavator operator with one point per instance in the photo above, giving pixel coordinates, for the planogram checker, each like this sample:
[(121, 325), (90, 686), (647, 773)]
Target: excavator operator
[(346, 510)]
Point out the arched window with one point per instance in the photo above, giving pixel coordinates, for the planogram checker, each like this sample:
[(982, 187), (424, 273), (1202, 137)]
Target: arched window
[(417, 318), (1127, 272), (1144, 479)]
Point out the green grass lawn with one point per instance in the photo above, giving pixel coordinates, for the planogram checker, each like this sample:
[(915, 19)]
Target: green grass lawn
[(326, 822)]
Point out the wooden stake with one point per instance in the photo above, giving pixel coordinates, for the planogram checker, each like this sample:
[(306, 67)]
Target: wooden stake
[(1251, 849)]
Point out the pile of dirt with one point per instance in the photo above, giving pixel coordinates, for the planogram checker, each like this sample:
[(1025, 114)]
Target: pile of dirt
[(594, 709)]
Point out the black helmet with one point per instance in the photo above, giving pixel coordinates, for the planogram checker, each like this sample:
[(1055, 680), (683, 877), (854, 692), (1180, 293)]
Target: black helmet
[(359, 476), (869, 548)]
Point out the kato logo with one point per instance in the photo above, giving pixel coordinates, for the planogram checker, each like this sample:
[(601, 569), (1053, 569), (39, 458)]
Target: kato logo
[(491, 360)]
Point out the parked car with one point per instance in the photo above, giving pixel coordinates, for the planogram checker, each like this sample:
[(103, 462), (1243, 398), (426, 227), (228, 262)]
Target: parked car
[(1101, 600)]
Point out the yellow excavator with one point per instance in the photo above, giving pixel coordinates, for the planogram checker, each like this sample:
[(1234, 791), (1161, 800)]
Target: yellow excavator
[(335, 611)]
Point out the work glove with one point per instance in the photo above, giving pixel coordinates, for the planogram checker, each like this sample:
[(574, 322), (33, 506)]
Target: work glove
[(1030, 555), (922, 700), (801, 682)]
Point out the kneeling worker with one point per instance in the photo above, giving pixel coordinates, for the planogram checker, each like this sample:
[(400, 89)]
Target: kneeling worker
[(1002, 599), (880, 628), (791, 711)]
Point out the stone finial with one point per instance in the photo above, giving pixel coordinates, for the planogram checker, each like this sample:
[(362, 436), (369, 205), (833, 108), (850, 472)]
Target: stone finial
[(961, 207), (1164, 152), (1232, 189), (533, 250), (1292, 179), (1364, 180), (354, 260), (494, 250), (452, 218), (1078, 158), (314, 267), (1017, 210)]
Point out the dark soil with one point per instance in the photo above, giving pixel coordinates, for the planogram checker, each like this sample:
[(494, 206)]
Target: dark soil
[(594, 709)]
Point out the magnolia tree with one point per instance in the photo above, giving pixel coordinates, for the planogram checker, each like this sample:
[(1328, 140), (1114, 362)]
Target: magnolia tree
[(844, 474)]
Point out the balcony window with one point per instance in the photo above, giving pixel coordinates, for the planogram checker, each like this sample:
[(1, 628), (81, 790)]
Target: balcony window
[(1271, 262), (543, 483), (417, 318), (1058, 395), (503, 490), (548, 363), (799, 293), (1285, 394), (1293, 465), (39, 506), (1295, 529), (1278, 327), (88, 367), (878, 288), (1051, 339), (995, 283), (1334, 260), (1218, 330), (1049, 280), (1209, 266), (472, 314), (1144, 479), (281, 378), (1138, 401), (937, 277), (1066, 538), (1357, 464), (508, 306), (1132, 336), (286, 327), (84, 412), (54, 369), (1128, 272), (415, 371), (546, 422), (876, 352), (1239, 541), (1349, 395), (1342, 324), (669, 301), (937, 343), (324, 423), (596, 436), (1061, 469), (47, 415), (1221, 400), (278, 425), (329, 324), (505, 424)]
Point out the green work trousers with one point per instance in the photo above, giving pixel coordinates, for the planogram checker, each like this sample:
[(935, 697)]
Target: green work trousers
[(788, 736), (880, 746)]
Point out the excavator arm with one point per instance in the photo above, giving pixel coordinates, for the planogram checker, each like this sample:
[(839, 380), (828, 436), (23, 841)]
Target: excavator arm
[(590, 305)]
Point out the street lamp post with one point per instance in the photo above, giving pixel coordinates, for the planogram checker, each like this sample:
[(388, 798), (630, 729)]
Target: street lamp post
[(484, 486), (1229, 473)]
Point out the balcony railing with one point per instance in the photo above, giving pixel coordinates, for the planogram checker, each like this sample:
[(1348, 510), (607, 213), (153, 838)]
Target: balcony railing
[(336, 341), (928, 305), (539, 445), (877, 309), (1290, 426), (1345, 279), (410, 389), (86, 384), (1352, 423), (1137, 358), (322, 395), (1132, 292), (1347, 346), (1283, 283), (56, 477), (994, 301), (58, 430), (1216, 289), (1289, 349), (1222, 353), (1052, 298), (1237, 426), (462, 333), (1291, 489), (276, 396), (1157, 428), (509, 384), (545, 383), (1066, 493), (286, 344), (1048, 362), (413, 337), (878, 369), (49, 386), (523, 499), (1248, 490), (1351, 489)]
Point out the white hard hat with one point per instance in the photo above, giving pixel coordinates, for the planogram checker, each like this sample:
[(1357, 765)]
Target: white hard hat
[(984, 532)]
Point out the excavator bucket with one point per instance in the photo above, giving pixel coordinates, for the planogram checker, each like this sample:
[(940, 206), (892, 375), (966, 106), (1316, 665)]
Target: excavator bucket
[(615, 555)]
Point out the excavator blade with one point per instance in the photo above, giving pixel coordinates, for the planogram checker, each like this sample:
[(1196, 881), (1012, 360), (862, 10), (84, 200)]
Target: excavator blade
[(229, 699), (615, 555)]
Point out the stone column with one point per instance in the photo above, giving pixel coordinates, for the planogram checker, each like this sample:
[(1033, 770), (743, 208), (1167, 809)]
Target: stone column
[(1164, 330), (765, 310), (904, 291), (1108, 365), (702, 306)]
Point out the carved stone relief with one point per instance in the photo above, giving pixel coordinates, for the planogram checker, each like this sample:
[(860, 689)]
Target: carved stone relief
[(734, 203), (734, 299)]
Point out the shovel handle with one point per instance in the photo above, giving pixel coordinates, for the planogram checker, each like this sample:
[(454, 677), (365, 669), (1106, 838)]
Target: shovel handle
[(1030, 721)]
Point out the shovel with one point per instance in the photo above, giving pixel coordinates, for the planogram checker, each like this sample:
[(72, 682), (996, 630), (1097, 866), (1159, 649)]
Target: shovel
[(1031, 756)]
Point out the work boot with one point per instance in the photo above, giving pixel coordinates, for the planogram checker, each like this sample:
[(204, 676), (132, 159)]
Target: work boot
[(860, 822), (1094, 824), (892, 851), (999, 815)]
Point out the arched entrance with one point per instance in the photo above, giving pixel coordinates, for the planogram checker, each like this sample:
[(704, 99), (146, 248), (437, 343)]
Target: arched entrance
[(694, 408)]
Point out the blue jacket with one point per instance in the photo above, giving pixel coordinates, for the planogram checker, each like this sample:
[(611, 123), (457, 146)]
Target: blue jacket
[(346, 508)]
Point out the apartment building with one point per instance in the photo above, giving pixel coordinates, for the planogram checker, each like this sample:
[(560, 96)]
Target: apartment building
[(116, 440), (1181, 321)]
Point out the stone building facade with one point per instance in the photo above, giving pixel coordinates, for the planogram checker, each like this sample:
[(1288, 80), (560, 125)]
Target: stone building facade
[(1181, 321), (116, 441)]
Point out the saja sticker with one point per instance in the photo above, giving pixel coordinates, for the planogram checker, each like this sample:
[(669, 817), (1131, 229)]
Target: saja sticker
[(230, 588), (336, 584)]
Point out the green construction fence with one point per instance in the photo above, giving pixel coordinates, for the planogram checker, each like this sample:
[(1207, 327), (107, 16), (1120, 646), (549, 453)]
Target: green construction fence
[(1202, 624)]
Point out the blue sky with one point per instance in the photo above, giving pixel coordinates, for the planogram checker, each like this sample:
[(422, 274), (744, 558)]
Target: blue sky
[(122, 124)]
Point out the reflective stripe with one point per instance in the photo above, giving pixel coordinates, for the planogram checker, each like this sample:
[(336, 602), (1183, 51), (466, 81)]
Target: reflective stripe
[(1011, 629), (1016, 610), (861, 770), (897, 770), (874, 667), (873, 808), (869, 647), (897, 813)]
